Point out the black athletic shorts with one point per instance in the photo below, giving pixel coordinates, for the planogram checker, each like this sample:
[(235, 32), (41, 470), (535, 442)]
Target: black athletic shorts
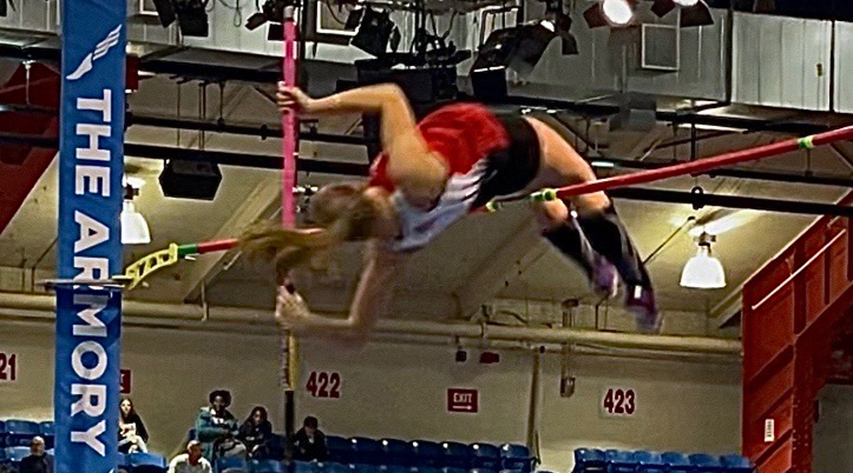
[(513, 168)]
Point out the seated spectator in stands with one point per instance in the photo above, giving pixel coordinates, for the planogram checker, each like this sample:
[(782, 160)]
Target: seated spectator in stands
[(38, 461), (256, 433), (216, 428), (190, 462), (309, 442), (132, 436)]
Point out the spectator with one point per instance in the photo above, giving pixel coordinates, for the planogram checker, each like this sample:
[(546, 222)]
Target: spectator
[(132, 436), (38, 461), (309, 442), (256, 433), (217, 429), (190, 462)]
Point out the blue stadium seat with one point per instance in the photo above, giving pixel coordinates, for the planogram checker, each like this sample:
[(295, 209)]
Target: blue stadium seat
[(332, 467), (366, 450), (362, 468), (2, 456), (516, 457), (426, 469), (400, 469), (449, 469), (397, 452), (486, 455), (649, 462), (16, 454), (457, 455), (737, 464), (590, 460), (340, 449), (232, 465), (275, 466), (47, 430), (147, 463), (482, 470), (510, 471), (20, 432), (427, 453), (676, 462), (2, 434), (703, 463), (620, 461)]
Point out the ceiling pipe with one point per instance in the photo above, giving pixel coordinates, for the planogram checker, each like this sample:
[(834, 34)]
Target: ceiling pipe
[(170, 314)]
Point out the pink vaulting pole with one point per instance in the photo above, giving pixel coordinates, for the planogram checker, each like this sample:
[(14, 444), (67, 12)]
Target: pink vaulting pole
[(289, 122), (707, 164)]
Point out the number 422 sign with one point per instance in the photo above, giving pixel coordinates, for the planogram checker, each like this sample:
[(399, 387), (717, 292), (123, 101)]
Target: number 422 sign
[(618, 402)]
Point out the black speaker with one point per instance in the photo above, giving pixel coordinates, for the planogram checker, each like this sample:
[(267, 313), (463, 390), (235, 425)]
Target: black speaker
[(190, 179)]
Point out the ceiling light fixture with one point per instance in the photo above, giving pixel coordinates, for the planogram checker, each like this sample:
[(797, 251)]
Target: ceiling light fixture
[(703, 271), (134, 227), (617, 12)]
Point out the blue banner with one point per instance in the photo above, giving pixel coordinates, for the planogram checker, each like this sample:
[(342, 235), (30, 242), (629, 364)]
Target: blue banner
[(90, 198)]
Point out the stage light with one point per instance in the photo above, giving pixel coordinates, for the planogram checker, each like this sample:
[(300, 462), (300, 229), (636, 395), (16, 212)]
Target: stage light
[(703, 271), (374, 32), (686, 3), (617, 12), (190, 179), (190, 14), (271, 12)]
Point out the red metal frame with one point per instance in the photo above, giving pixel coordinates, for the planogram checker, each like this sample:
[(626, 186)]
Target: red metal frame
[(793, 309)]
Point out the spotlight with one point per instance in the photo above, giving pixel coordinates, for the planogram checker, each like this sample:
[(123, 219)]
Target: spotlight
[(616, 13), (272, 11), (561, 26), (518, 48), (191, 15), (374, 32), (697, 15), (661, 8), (686, 3), (703, 271)]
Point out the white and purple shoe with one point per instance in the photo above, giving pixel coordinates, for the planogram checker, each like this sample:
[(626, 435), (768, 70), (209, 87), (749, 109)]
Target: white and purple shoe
[(604, 280), (640, 301)]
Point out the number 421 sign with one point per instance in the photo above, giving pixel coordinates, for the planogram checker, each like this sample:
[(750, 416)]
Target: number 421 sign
[(618, 402)]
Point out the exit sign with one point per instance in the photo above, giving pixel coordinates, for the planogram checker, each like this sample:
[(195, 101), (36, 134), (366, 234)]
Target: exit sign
[(462, 400)]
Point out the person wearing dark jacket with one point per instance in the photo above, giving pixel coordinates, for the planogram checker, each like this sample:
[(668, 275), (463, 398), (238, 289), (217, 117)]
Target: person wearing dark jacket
[(38, 461), (132, 435), (216, 428), (256, 433), (309, 442)]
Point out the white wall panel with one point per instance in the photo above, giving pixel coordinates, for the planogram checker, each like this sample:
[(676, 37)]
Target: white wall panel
[(843, 67), (781, 62)]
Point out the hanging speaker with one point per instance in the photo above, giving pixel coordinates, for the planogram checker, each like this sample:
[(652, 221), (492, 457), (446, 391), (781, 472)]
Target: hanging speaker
[(190, 179)]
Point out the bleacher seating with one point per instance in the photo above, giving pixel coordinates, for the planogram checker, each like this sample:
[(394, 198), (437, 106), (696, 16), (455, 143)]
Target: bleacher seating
[(20, 432), (427, 453), (146, 463), (457, 455), (366, 450), (486, 456), (47, 430), (2, 434), (340, 449), (362, 468), (232, 465), (618, 461), (516, 457), (14, 455), (275, 466), (397, 452)]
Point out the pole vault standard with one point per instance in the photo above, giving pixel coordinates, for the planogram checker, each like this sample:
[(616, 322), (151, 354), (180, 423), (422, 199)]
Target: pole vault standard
[(91, 163), (289, 345)]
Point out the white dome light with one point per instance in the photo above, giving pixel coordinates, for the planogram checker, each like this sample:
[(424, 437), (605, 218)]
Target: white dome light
[(134, 228), (703, 271)]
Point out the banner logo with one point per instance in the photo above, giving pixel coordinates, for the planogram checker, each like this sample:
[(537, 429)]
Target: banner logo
[(100, 51)]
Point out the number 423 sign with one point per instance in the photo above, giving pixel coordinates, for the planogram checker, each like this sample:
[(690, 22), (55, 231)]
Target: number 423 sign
[(618, 402)]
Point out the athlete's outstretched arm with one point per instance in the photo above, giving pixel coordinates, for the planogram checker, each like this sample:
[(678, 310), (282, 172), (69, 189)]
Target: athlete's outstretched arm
[(372, 298), (411, 165)]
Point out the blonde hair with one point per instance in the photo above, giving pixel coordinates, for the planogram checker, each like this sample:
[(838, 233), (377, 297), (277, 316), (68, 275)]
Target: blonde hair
[(341, 211)]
